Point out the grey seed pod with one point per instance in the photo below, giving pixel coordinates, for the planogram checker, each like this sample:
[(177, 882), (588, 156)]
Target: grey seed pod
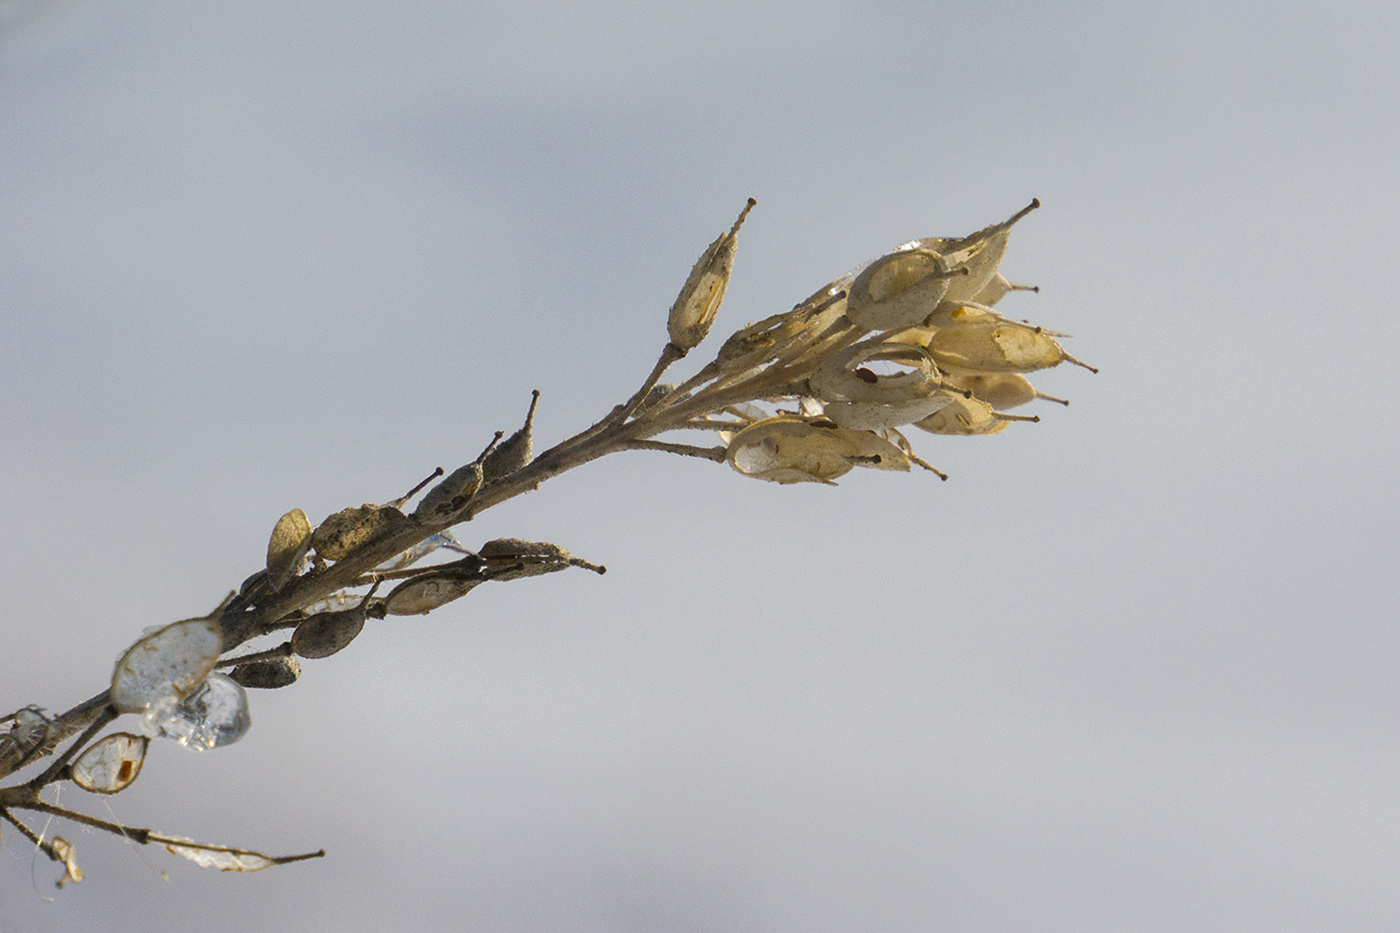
[(451, 494), (269, 674), (427, 591), (349, 529), (291, 539), (515, 452), (324, 634)]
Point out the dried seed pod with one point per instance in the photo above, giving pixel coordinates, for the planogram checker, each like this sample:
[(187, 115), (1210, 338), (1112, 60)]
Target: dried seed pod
[(979, 254), (515, 452), (963, 416), (877, 416), (1001, 390), (429, 590), (786, 449), (349, 529), (693, 313), (169, 662), (324, 634), (846, 377), (998, 288), (899, 289), (291, 539), (1004, 347), (268, 674), (110, 764), (450, 495)]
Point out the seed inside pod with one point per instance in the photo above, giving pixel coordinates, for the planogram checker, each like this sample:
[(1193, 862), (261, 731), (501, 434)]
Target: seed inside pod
[(111, 764)]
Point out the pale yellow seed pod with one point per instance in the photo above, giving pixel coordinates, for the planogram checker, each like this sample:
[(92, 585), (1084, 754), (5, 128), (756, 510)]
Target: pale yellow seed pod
[(291, 539), (1001, 390), (877, 416), (963, 416), (693, 313), (998, 288), (352, 528), (898, 290), (785, 449), (1003, 347), (978, 255), (845, 376)]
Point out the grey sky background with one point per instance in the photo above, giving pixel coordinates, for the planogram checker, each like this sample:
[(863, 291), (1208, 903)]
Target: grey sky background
[(1131, 668)]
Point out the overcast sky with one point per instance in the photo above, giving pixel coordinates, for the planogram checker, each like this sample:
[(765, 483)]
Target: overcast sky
[(1131, 668)]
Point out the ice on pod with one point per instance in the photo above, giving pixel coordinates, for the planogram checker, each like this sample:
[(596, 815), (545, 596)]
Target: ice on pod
[(215, 714)]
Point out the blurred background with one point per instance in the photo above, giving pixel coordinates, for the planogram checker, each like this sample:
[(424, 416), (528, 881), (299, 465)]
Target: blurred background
[(1131, 668)]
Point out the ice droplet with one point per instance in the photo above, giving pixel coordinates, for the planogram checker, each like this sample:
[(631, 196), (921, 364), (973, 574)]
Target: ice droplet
[(214, 714)]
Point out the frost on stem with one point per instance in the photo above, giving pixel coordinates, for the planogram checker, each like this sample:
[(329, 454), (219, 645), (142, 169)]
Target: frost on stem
[(801, 397)]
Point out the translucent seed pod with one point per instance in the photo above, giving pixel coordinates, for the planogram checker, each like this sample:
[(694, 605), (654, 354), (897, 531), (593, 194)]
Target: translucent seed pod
[(168, 663), (998, 288), (426, 592), (899, 289), (515, 452), (786, 449), (326, 633), (1001, 390), (220, 857), (110, 764), (291, 539), (269, 674), (213, 715), (352, 528), (693, 313), (1003, 347)]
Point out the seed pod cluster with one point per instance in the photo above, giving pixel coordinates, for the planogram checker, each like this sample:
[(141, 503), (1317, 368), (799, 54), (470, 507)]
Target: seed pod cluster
[(910, 338)]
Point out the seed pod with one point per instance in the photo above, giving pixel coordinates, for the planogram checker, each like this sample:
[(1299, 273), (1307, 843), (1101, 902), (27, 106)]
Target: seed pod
[(269, 674), (899, 289), (979, 254), (786, 449), (997, 348), (998, 288), (1001, 390), (693, 313), (111, 764), (291, 539), (515, 452), (451, 494), (169, 662), (877, 416), (845, 376), (963, 416), (429, 590), (326, 633), (349, 529)]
